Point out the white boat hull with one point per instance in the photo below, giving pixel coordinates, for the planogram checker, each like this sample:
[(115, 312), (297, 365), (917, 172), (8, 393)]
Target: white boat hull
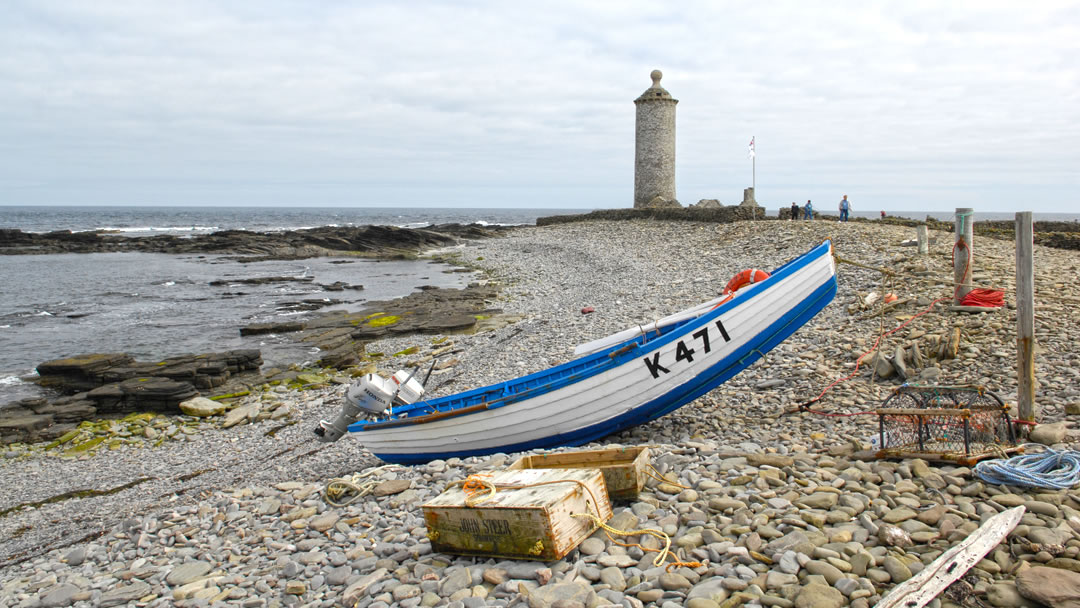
[(616, 388)]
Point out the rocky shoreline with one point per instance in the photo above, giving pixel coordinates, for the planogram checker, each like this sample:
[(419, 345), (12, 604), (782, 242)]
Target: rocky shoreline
[(95, 385), (374, 241), (1056, 234), (91, 385), (775, 504)]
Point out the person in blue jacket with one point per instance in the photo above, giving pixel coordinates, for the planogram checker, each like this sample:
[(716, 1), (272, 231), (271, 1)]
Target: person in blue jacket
[(808, 211), (845, 206)]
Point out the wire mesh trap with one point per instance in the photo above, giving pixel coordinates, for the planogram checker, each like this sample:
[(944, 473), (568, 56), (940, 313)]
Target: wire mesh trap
[(960, 424)]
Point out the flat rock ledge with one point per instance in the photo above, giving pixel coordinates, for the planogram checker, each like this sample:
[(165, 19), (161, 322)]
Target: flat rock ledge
[(291, 244), (342, 336), (112, 384), (699, 213), (93, 371), (106, 385)]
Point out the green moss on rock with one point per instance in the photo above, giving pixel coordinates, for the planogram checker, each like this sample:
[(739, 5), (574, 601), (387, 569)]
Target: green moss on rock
[(235, 395), (66, 437), (384, 321), (85, 446)]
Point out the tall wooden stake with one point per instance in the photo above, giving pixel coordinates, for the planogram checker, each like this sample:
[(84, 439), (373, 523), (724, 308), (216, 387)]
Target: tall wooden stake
[(1025, 317), (963, 256)]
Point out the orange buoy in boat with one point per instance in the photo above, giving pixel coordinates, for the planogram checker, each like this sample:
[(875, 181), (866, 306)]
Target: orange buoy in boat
[(744, 278), (740, 280)]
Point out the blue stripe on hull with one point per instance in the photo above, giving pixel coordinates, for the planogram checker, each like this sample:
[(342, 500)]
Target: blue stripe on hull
[(704, 382)]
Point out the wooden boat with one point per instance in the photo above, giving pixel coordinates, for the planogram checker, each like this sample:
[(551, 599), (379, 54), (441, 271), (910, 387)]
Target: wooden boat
[(619, 384)]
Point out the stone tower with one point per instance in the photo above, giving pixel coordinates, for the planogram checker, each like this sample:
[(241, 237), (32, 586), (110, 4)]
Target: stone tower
[(654, 147)]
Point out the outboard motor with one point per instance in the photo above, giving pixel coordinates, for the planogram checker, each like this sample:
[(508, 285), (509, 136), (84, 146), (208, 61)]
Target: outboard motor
[(371, 394)]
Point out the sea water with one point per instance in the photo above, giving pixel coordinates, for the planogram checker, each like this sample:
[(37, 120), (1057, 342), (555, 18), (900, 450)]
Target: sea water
[(153, 306), (147, 221)]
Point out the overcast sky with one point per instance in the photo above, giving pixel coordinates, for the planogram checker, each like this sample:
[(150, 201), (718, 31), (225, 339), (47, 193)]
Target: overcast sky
[(905, 105)]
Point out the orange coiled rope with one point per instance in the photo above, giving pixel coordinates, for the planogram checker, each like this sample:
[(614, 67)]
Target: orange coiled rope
[(985, 298)]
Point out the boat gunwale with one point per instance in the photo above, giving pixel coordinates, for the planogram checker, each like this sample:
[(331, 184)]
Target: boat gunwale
[(680, 395)]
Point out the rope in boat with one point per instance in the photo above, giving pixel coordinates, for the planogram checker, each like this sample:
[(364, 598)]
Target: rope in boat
[(1051, 469)]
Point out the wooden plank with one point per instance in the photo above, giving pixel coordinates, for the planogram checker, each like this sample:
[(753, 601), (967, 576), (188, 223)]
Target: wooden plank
[(953, 457), (427, 418), (958, 308), (928, 411), (920, 589)]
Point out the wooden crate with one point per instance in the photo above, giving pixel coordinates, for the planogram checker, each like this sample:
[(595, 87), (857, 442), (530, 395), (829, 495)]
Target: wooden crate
[(623, 468), (525, 523)]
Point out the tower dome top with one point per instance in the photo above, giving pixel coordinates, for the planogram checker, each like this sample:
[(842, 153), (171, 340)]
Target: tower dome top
[(655, 92)]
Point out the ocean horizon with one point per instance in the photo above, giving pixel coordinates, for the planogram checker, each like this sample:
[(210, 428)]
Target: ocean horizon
[(153, 306), (196, 220), (149, 221)]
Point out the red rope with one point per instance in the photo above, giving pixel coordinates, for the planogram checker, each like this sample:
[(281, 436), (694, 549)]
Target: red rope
[(858, 362), (989, 298), (985, 298)]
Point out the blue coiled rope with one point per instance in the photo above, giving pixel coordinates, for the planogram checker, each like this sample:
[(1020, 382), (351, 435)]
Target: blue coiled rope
[(1050, 469)]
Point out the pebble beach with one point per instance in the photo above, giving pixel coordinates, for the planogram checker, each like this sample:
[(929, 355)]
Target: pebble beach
[(772, 502)]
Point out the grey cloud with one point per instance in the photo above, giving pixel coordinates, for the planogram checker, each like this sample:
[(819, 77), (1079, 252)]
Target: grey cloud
[(485, 96)]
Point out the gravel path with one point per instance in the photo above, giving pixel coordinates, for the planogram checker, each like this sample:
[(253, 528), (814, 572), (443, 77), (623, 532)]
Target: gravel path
[(774, 506)]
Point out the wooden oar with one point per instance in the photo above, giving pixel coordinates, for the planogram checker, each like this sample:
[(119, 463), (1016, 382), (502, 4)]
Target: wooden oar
[(388, 424)]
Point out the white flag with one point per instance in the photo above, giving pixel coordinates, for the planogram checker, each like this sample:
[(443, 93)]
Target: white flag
[(752, 153)]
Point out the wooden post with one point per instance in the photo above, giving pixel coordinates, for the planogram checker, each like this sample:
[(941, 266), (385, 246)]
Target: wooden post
[(920, 232), (963, 256), (1025, 317)]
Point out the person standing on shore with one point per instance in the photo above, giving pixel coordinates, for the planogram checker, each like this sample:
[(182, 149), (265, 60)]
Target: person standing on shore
[(808, 211), (845, 206), (794, 211)]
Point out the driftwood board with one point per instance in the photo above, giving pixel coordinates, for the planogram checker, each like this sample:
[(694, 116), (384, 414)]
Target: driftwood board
[(920, 589)]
